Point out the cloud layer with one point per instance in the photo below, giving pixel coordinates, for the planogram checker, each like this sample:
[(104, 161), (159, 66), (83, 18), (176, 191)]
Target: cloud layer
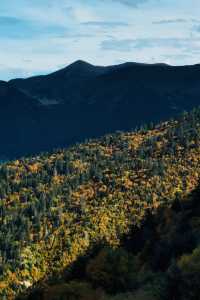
[(41, 36), (133, 3)]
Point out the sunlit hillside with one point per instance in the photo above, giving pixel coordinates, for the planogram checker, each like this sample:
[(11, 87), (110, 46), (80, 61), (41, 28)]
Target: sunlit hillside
[(54, 207)]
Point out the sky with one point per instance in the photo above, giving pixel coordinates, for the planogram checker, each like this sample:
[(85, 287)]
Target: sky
[(41, 36)]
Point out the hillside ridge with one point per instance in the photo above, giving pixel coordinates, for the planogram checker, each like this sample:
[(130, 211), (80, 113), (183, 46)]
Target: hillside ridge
[(85, 101), (55, 206)]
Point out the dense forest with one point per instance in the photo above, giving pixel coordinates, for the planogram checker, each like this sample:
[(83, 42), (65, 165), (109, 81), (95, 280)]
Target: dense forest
[(113, 218), (159, 260)]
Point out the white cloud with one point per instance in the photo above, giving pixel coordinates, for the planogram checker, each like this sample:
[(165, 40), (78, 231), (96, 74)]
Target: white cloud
[(53, 33)]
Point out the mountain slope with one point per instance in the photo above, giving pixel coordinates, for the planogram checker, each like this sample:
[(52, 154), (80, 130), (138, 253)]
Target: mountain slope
[(158, 261), (84, 101), (19, 119), (54, 207), (62, 85), (85, 83)]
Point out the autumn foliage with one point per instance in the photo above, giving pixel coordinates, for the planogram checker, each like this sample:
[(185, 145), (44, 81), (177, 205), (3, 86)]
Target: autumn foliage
[(54, 207)]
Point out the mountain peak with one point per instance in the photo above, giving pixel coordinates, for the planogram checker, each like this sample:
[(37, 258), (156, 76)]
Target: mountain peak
[(83, 67), (80, 63)]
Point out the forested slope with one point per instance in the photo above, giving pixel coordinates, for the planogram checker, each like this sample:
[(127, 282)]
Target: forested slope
[(55, 207), (160, 260)]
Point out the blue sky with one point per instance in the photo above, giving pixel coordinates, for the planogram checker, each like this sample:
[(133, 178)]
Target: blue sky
[(40, 36)]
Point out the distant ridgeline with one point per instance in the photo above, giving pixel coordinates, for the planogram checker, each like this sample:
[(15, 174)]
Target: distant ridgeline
[(83, 101), (55, 208)]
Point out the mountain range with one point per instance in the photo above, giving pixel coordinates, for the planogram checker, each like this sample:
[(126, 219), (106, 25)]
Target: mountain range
[(85, 101)]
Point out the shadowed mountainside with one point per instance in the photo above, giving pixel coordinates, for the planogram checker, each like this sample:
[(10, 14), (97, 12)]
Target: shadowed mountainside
[(83, 101), (19, 115)]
